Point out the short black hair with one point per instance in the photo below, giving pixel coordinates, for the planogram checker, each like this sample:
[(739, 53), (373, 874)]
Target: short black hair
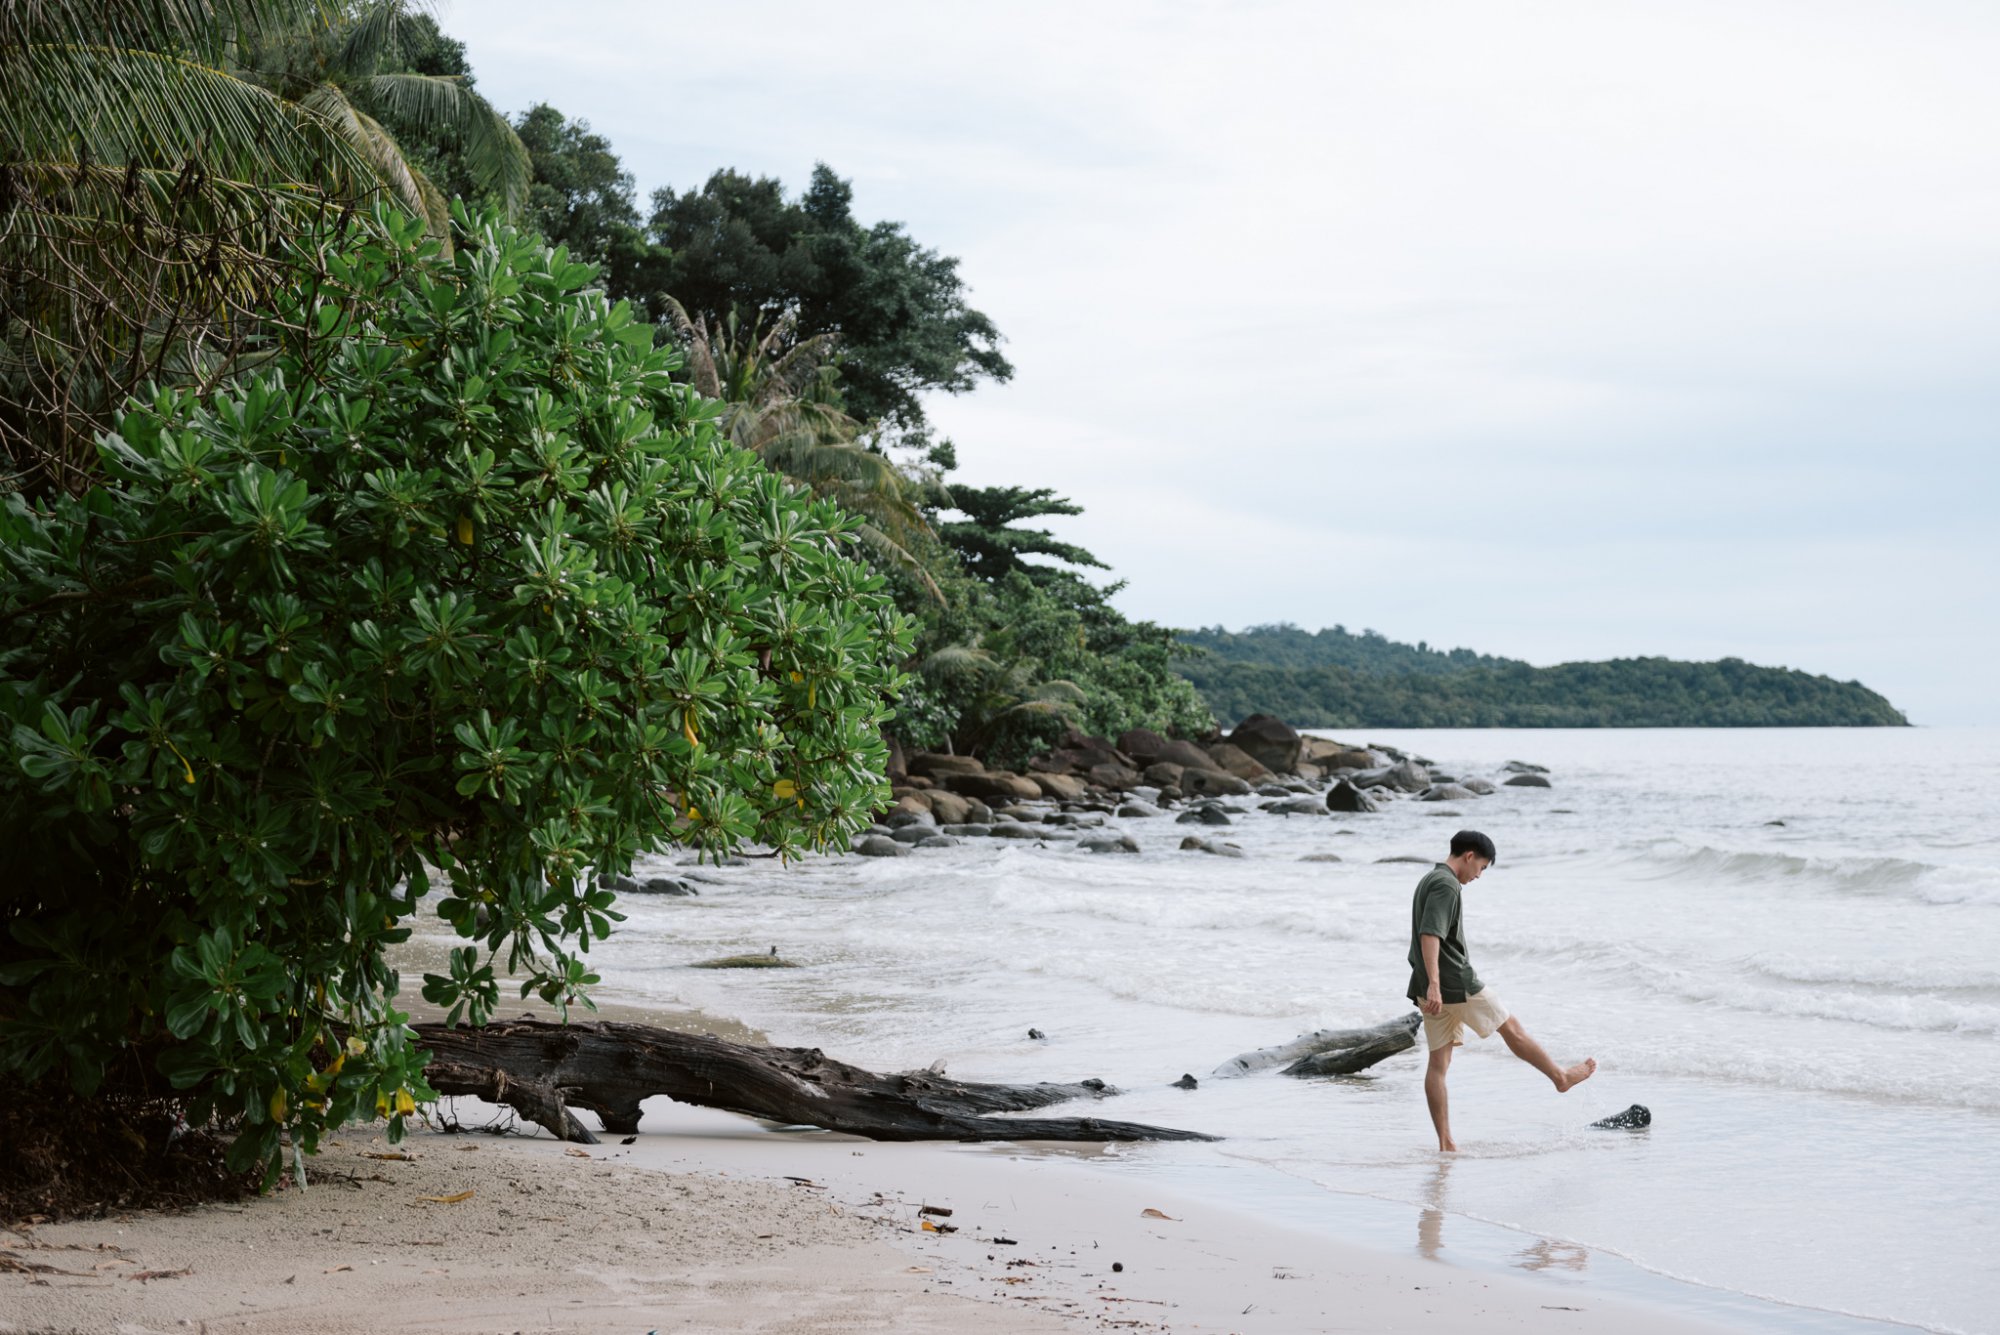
[(1472, 841)]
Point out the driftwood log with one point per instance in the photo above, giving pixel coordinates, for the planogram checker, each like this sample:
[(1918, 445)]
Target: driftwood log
[(1330, 1051), (540, 1070)]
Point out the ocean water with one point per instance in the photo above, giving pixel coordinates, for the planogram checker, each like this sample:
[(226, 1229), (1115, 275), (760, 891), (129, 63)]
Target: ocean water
[(1810, 1008)]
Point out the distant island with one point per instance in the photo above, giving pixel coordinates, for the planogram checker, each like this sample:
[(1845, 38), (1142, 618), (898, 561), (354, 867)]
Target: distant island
[(1336, 678)]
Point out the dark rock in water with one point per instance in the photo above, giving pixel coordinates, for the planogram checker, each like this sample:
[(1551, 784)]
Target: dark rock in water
[(1016, 830), (935, 765), (1122, 843), (666, 885), (1480, 786), (1405, 776), (1142, 744), (1163, 774), (877, 846), (1235, 760), (1137, 811), (936, 841), (1298, 806), (977, 812), (913, 834), (1388, 751), (1268, 740), (1409, 857), (623, 885), (1218, 848), (1523, 767), (1443, 778), (903, 820), (1529, 781), (1212, 783), (1561, 811), (1447, 792), (1450, 813), (1321, 857), (1037, 1034), (1185, 754), (768, 961), (1344, 796), (1635, 1118), (1202, 815), (1774, 822), (1187, 1082), (966, 831), (1272, 790)]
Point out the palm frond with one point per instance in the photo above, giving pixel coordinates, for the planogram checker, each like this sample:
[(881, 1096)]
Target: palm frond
[(444, 101)]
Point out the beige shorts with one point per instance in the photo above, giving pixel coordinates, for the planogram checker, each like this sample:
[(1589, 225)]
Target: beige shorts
[(1482, 1012)]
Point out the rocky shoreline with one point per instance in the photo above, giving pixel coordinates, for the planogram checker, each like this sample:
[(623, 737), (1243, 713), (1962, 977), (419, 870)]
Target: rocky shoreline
[(1077, 789)]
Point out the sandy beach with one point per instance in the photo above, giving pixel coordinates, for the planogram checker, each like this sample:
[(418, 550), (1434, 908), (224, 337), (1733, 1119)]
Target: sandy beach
[(707, 1222)]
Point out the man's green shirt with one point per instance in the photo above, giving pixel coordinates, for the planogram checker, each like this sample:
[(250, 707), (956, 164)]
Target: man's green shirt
[(1436, 911)]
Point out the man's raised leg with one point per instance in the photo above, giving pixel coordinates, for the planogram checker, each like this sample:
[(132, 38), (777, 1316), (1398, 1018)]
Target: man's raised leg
[(1564, 1078), (1434, 1095)]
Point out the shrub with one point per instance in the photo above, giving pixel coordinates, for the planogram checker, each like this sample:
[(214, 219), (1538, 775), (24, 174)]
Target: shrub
[(454, 596)]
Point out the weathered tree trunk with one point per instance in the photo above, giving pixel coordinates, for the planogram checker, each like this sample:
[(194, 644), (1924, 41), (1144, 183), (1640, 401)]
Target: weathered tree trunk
[(539, 1069), (1330, 1051)]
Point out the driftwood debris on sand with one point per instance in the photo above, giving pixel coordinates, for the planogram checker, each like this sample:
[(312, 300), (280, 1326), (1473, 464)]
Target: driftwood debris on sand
[(1330, 1051), (541, 1069)]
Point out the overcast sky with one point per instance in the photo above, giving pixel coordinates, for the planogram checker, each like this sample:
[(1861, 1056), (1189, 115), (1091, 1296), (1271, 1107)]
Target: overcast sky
[(1557, 330)]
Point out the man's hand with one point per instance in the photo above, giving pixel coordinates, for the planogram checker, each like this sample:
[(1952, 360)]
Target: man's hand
[(1433, 1002)]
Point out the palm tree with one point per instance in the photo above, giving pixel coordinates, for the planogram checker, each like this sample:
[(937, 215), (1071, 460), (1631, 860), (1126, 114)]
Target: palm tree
[(781, 402), (157, 159)]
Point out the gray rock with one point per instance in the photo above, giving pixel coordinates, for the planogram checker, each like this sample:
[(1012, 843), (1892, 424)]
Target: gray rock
[(1529, 781), (1344, 796), (623, 885), (1321, 857), (1116, 843), (1523, 767), (1013, 829), (1447, 792), (977, 812), (1480, 786), (1409, 857), (1077, 820), (1298, 806), (666, 885), (1029, 814), (876, 846), (936, 841), (1185, 754), (1405, 776), (913, 834), (903, 820), (1214, 846), (1437, 778), (1212, 783), (968, 831), (1137, 811), (1273, 790), (1142, 744), (1203, 815), (1270, 741)]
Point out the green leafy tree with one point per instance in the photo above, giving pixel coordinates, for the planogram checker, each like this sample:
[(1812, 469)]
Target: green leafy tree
[(992, 546), (458, 602), (582, 196), (739, 246)]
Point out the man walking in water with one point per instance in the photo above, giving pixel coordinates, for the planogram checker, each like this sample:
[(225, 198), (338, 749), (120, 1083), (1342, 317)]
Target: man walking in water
[(1450, 994)]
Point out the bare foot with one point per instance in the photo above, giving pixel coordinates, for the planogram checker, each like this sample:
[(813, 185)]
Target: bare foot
[(1576, 1075), (1447, 1147)]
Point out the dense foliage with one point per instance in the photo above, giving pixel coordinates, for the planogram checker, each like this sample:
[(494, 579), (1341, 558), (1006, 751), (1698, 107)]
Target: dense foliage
[(1622, 693), (458, 591), (1284, 645)]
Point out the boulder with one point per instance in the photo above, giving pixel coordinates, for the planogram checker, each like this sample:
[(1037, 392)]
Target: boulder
[(936, 840), (1529, 781), (1344, 796), (901, 819), (1298, 806), (910, 799), (1060, 786), (665, 885), (1137, 811), (1523, 767), (1142, 744), (935, 765), (1446, 792), (950, 808), (1114, 775), (875, 846), (1480, 786), (1205, 814), (1187, 755), (1111, 843), (966, 831), (914, 834), (977, 812), (1405, 776), (1233, 759), (623, 885), (1273, 790), (915, 781), (1320, 857), (1007, 829), (997, 785), (1215, 846), (1268, 740), (1212, 783), (1164, 774)]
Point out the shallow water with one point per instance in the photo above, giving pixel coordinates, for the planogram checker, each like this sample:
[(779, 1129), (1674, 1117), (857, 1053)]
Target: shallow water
[(1811, 1010)]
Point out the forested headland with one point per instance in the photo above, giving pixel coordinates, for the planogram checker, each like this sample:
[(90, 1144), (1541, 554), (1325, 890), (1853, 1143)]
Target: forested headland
[(1335, 678)]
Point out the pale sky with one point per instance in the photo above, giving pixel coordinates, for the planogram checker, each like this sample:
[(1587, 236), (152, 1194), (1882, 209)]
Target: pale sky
[(1563, 330)]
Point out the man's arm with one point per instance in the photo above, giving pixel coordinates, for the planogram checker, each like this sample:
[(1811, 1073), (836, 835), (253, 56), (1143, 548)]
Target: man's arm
[(1433, 1002)]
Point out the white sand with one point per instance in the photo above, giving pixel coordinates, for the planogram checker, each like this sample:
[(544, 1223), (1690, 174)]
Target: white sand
[(695, 1227)]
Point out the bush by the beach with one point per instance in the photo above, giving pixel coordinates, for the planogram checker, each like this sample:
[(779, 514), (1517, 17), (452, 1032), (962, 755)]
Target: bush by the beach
[(452, 592)]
